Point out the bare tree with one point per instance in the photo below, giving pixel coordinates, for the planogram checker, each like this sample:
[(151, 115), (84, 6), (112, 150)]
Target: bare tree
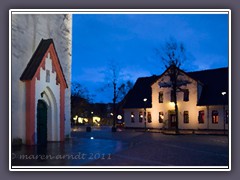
[(172, 52), (173, 55), (120, 88)]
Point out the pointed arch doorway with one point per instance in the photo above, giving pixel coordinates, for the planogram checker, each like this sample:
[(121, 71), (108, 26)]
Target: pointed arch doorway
[(45, 119), (41, 122)]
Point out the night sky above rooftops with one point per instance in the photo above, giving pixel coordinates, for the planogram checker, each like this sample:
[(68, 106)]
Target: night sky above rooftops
[(130, 40)]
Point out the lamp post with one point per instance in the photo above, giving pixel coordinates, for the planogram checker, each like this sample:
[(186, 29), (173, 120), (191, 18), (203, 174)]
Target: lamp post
[(145, 114), (88, 129), (224, 115)]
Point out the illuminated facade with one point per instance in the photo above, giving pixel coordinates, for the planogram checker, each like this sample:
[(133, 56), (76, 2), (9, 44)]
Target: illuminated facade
[(202, 101)]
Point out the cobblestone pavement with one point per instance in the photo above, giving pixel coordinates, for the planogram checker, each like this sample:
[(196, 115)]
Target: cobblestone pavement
[(101, 147)]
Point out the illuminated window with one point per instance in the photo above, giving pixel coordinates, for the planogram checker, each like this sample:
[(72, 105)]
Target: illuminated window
[(132, 117), (149, 117), (160, 117), (201, 117), (185, 117), (186, 95), (140, 117), (160, 97), (215, 117), (47, 76)]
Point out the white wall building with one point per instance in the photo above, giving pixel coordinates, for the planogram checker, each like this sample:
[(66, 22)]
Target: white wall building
[(201, 104), (41, 47)]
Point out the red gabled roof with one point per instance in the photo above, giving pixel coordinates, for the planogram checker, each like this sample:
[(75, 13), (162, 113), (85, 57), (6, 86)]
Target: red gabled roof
[(36, 61)]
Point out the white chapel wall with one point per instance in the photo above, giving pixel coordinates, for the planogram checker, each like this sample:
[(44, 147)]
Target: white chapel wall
[(26, 34)]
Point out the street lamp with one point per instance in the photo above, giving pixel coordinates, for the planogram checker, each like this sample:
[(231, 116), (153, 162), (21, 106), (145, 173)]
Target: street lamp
[(88, 128), (145, 114), (92, 117), (224, 114), (119, 117)]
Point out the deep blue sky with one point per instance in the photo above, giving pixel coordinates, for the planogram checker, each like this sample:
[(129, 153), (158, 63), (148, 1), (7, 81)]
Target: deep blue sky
[(130, 40)]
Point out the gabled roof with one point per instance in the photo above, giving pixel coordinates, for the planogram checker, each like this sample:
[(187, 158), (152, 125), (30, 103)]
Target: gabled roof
[(142, 89), (37, 58), (214, 82)]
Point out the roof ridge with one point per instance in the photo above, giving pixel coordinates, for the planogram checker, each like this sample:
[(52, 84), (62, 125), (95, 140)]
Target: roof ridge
[(36, 59), (208, 70), (154, 75)]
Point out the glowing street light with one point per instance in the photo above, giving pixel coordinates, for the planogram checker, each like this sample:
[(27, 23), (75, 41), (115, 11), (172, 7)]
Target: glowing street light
[(224, 114), (119, 117), (224, 93), (145, 113)]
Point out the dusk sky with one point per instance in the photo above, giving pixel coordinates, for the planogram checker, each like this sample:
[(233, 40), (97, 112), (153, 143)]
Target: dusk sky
[(130, 40)]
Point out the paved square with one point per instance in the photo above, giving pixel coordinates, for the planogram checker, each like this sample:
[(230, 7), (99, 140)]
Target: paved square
[(101, 147)]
